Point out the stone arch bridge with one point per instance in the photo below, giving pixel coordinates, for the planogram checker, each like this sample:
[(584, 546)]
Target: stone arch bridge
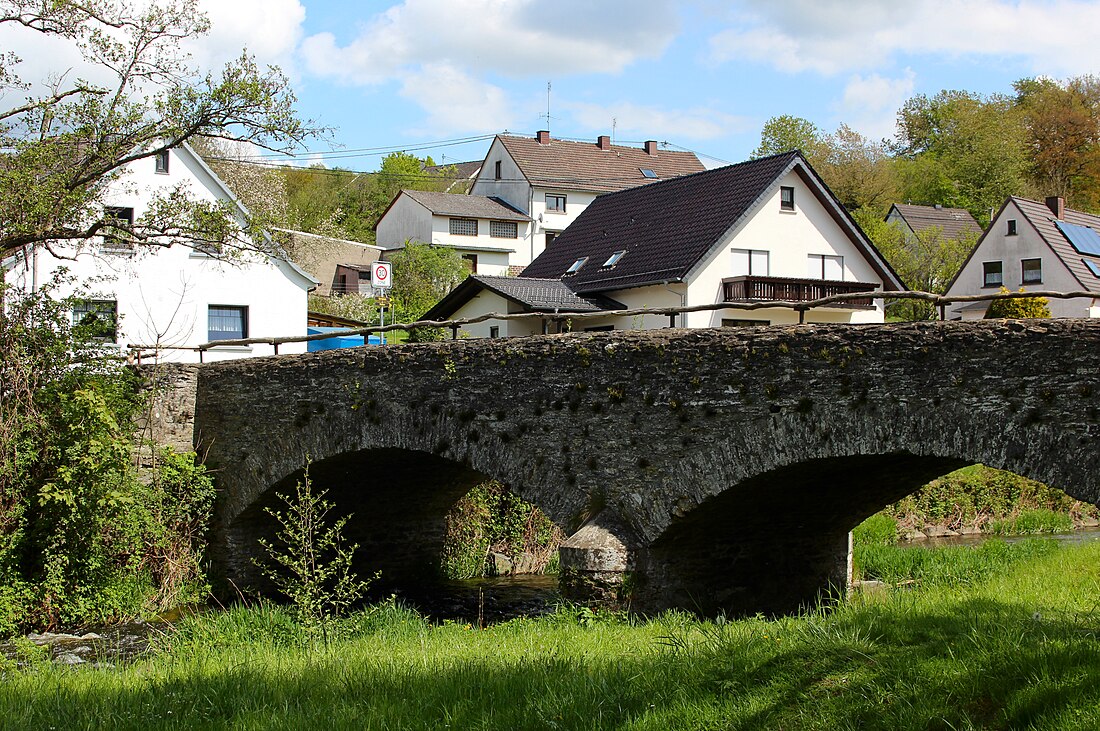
[(713, 470)]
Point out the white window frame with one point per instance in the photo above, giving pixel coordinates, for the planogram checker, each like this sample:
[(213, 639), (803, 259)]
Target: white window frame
[(986, 272), (753, 260), (817, 266), (242, 310), (504, 229), (456, 225)]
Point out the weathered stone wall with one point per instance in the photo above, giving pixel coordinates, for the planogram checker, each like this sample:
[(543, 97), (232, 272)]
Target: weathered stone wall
[(169, 420), (728, 464)]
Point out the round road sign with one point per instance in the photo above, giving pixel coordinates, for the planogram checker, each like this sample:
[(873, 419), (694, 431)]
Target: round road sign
[(380, 274)]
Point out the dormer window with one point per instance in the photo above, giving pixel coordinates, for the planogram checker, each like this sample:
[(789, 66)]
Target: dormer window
[(786, 198), (646, 172), (576, 267), (614, 258), (162, 162)]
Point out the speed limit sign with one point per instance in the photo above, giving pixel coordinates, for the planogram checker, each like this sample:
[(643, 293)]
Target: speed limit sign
[(380, 275)]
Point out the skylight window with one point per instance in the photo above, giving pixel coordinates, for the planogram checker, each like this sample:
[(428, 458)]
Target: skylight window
[(1093, 267), (648, 173), (614, 258), (576, 265)]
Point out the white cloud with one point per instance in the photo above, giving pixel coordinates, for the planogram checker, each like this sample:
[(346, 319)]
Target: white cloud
[(508, 37), (646, 122), (455, 101), (832, 36), (870, 102), (269, 29)]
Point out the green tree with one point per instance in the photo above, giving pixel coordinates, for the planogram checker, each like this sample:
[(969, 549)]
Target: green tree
[(422, 275), (64, 145), (857, 170), (974, 144), (1018, 308), (925, 263), (1063, 137), (786, 132)]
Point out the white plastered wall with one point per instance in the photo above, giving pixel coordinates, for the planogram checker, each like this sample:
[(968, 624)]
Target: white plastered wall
[(162, 294), (789, 238), (1010, 251)]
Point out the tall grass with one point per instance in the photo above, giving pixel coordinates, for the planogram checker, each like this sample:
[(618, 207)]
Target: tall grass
[(1014, 646)]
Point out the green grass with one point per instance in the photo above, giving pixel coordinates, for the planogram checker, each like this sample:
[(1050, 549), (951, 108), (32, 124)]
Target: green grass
[(1016, 645), (1030, 522)]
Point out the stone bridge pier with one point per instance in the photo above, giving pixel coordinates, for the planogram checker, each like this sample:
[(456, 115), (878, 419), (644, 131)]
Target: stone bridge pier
[(709, 470)]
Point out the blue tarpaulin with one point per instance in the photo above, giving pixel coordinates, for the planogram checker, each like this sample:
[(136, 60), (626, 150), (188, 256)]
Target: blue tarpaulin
[(337, 341)]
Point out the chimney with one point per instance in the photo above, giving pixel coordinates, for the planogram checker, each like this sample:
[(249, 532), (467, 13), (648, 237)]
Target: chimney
[(603, 142), (651, 147), (1057, 206), (543, 136)]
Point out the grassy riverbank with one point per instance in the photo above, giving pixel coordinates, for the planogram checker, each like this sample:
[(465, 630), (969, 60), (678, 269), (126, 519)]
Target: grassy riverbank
[(1014, 644)]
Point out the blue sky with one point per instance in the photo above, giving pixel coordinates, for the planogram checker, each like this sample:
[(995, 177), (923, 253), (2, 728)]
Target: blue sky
[(703, 75)]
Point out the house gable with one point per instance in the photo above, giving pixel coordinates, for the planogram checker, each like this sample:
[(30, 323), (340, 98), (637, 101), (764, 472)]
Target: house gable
[(670, 229)]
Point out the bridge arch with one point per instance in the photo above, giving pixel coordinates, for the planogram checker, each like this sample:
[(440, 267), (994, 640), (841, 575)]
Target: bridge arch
[(659, 438)]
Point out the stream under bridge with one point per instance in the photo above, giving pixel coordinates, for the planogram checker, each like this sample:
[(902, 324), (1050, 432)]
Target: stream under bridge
[(711, 470)]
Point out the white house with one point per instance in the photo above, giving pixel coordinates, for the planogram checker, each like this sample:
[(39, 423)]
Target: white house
[(1033, 245), (173, 297), (486, 231), (554, 181), (768, 229)]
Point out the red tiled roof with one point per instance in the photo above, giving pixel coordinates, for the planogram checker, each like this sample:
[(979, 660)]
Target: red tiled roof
[(1043, 220), (584, 166)]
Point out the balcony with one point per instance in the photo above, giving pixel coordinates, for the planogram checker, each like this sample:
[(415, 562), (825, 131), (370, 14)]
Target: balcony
[(788, 289)]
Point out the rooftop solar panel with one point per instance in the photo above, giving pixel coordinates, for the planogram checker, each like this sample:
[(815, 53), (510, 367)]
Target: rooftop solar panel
[(1093, 267), (1083, 238)]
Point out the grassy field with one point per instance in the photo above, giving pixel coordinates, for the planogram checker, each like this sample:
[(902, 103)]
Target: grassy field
[(1007, 640)]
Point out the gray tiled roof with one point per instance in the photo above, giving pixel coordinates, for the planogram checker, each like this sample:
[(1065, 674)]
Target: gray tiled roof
[(536, 295), (584, 166), (1043, 220), (952, 221), (471, 206)]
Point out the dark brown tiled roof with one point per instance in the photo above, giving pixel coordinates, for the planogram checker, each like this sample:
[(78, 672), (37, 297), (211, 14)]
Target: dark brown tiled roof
[(1043, 220), (952, 221), (472, 206), (536, 295), (667, 227), (584, 166)]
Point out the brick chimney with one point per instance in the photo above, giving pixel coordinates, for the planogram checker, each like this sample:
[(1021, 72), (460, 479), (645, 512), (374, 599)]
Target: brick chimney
[(1057, 206), (651, 147), (543, 136), (603, 142)]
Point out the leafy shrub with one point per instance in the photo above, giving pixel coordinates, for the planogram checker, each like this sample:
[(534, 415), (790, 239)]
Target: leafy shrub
[(1019, 308), (491, 518), (82, 538)]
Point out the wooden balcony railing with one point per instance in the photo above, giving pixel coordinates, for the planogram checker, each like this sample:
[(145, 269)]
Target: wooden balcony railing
[(789, 289)]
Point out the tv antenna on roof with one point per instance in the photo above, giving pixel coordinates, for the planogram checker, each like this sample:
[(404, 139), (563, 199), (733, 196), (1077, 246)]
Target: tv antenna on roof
[(547, 115)]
